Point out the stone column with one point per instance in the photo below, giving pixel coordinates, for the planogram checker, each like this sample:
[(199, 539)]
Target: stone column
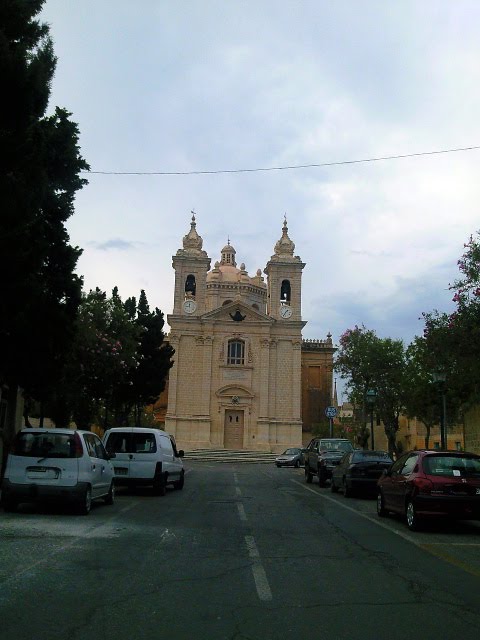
[(297, 380), (264, 367), (207, 374), (272, 392)]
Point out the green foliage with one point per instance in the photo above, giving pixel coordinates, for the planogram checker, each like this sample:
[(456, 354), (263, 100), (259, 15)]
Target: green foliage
[(40, 165), (453, 340), (118, 365), (147, 378), (366, 362)]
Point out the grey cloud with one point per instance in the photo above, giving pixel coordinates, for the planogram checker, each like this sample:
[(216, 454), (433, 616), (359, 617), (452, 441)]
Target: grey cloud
[(115, 244)]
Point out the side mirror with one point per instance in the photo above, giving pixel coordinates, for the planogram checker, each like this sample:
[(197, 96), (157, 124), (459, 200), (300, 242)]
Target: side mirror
[(180, 453), (112, 455)]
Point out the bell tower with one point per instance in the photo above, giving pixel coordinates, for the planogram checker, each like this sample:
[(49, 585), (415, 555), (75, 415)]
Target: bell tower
[(284, 271), (191, 265)]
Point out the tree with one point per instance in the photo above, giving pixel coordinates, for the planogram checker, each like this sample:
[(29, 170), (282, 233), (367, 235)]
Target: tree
[(105, 350), (367, 361), (454, 339), (422, 400), (147, 376), (40, 166)]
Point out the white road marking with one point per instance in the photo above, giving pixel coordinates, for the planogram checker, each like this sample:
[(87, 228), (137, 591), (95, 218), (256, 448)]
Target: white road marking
[(238, 491), (259, 575), (235, 477), (241, 512)]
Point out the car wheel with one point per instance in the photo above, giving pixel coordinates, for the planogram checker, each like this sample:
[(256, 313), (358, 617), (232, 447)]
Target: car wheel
[(381, 511), (297, 464), (413, 521), (179, 484), (86, 503), (333, 486), (10, 506), (110, 497), (159, 486), (322, 481), (347, 491), (308, 475)]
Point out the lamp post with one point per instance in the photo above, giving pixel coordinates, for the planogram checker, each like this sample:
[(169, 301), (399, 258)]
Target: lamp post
[(439, 378), (371, 397)]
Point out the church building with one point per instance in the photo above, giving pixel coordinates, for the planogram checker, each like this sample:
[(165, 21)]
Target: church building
[(236, 382)]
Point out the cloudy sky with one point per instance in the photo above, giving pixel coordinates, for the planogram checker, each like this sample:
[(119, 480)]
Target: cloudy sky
[(206, 85)]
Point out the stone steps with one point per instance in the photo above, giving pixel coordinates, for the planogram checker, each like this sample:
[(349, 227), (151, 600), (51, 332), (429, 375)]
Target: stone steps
[(228, 455)]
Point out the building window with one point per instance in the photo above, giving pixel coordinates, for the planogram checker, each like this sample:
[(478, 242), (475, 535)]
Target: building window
[(190, 286), (236, 352), (436, 445), (285, 292), (458, 446)]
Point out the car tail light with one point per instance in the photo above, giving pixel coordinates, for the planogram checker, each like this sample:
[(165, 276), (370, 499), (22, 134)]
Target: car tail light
[(423, 485), (78, 449)]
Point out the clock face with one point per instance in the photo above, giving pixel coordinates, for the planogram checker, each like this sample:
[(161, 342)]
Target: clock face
[(189, 306), (285, 311)]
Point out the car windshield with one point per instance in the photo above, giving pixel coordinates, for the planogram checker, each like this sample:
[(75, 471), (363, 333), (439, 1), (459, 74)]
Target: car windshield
[(291, 452), (123, 442), (371, 456), (326, 445), (452, 466), (45, 445)]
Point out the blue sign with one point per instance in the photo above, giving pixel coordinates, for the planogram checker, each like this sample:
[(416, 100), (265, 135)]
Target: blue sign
[(330, 412)]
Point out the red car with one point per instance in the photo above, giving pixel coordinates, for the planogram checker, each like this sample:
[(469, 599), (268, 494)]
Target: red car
[(425, 483)]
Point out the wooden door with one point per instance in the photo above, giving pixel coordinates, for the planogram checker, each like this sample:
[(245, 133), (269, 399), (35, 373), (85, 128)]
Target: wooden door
[(233, 432)]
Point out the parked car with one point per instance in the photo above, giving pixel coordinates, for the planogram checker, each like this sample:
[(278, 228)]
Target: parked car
[(423, 484), (145, 457), (292, 457), (359, 471), (322, 455), (57, 465)]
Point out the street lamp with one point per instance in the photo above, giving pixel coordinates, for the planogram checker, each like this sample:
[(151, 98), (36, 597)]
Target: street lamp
[(439, 378), (371, 397)]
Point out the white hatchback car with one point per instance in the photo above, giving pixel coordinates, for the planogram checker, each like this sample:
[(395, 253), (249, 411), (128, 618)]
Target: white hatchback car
[(57, 465)]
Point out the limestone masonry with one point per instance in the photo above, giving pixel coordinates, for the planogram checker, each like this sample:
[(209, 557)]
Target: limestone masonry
[(243, 378)]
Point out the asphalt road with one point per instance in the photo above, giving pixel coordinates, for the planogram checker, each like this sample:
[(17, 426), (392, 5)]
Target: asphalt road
[(243, 552)]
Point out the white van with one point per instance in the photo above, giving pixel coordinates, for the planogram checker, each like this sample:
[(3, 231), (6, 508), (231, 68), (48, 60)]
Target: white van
[(145, 457), (57, 465)]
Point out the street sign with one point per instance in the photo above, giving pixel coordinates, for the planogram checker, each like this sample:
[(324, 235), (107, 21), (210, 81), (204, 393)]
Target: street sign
[(330, 412)]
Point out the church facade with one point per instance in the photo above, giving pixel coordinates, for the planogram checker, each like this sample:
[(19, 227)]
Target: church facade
[(236, 382)]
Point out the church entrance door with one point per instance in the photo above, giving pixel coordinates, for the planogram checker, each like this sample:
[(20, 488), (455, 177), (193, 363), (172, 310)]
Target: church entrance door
[(233, 432)]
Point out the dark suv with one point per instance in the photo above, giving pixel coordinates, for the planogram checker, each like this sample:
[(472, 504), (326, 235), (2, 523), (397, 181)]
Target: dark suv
[(322, 455)]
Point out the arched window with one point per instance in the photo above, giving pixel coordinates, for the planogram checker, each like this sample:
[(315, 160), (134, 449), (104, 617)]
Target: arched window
[(285, 291), (236, 352), (190, 286), (255, 306), (226, 302)]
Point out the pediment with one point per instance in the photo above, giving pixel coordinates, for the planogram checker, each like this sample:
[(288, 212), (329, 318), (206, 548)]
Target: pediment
[(231, 390), (237, 312)]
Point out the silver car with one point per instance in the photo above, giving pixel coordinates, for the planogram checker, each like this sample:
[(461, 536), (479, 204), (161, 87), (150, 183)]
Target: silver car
[(57, 465), (292, 457)]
